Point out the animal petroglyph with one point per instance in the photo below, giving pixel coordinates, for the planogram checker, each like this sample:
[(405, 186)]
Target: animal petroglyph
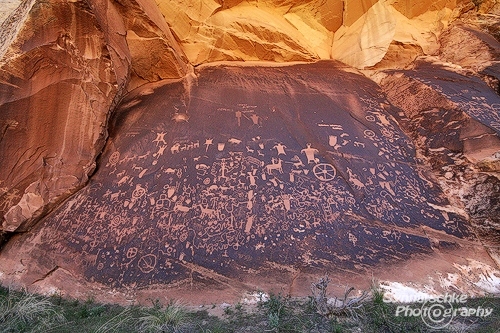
[(243, 187), (275, 165)]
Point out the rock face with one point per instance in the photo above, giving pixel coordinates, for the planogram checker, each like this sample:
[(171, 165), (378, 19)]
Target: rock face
[(358, 33), (58, 87), (268, 170), (128, 161), (299, 168), (91, 52), (48, 144)]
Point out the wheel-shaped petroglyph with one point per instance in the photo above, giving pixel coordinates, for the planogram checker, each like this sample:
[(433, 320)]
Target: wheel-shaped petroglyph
[(138, 192), (131, 252), (113, 159), (324, 171), (369, 134), (147, 263)]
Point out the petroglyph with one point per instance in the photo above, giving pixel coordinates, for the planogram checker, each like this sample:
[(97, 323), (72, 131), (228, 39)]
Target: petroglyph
[(324, 171), (160, 138), (275, 165), (310, 153), (231, 186)]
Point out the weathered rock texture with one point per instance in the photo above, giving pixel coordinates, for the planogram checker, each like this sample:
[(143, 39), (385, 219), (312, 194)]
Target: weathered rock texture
[(234, 176), (56, 90), (359, 33), (8, 6), (67, 65), (85, 54), (300, 167)]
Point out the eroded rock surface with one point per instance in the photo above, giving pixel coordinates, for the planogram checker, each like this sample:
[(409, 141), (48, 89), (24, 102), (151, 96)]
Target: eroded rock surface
[(62, 72), (56, 90), (232, 177), (358, 33), (297, 169), (88, 53)]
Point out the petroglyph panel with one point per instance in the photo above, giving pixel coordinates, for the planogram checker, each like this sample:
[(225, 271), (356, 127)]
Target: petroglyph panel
[(261, 168), (469, 93)]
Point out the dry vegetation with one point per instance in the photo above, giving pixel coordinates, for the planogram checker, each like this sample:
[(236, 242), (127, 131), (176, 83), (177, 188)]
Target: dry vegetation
[(367, 312)]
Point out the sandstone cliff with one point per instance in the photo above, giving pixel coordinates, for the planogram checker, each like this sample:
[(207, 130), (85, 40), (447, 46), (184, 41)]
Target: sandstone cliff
[(64, 67), (190, 146)]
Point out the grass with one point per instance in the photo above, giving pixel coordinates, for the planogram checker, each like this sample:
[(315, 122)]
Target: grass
[(172, 318), (24, 312)]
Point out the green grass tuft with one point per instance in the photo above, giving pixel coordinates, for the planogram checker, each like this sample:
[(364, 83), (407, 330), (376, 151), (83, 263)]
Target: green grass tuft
[(173, 318), (24, 312)]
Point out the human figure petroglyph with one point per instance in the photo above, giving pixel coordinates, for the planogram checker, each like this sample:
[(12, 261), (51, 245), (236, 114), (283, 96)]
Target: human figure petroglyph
[(310, 153), (251, 177), (286, 201), (160, 138), (208, 143), (256, 120), (280, 148), (160, 151)]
